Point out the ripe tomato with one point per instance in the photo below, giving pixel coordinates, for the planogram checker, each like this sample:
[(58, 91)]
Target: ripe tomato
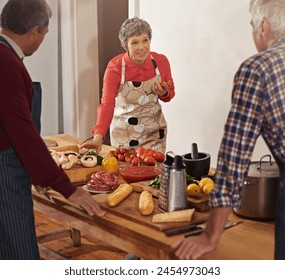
[(140, 151), (136, 161), (149, 160), (123, 150), (159, 156), (121, 157), (149, 152)]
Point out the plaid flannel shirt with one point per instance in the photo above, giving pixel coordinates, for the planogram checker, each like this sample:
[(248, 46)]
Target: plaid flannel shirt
[(258, 108)]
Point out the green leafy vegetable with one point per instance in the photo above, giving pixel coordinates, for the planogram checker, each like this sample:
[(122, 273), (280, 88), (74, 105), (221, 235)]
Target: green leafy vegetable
[(99, 160), (190, 179), (156, 182)]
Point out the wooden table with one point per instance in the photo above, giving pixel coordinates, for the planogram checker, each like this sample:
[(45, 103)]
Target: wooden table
[(251, 240)]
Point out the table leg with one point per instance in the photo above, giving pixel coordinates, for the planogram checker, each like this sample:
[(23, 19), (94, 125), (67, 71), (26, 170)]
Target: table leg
[(75, 236)]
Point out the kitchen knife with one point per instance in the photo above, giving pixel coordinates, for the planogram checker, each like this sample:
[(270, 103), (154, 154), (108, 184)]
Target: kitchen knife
[(202, 227), (174, 231)]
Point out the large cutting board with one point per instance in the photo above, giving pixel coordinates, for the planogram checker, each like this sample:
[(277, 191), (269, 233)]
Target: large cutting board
[(78, 174), (128, 209)]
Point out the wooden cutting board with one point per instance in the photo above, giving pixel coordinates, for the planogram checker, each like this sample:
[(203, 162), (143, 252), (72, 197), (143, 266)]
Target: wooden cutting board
[(200, 202), (80, 175), (128, 209)]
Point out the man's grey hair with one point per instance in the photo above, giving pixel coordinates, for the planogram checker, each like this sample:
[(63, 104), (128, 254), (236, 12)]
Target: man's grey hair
[(271, 10), (19, 16), (133, 27)]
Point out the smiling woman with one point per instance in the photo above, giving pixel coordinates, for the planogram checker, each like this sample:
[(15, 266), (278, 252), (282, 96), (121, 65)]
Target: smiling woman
[(134, 84)]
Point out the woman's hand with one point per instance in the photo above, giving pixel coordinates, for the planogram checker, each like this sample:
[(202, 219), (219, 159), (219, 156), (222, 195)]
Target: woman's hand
[(159, 88), (95, 143)]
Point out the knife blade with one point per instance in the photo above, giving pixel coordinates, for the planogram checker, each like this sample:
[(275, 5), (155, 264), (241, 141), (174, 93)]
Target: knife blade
[(202, 227), (174, 231)]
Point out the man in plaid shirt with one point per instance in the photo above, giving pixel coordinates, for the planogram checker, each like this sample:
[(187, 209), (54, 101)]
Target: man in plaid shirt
[(258, 108)]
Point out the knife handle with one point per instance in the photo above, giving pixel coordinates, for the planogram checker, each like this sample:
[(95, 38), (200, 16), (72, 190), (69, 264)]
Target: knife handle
[(194, 232), (174, 231)]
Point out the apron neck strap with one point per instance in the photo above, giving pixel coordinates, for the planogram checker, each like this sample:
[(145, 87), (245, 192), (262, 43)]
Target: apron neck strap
[(124, 69)]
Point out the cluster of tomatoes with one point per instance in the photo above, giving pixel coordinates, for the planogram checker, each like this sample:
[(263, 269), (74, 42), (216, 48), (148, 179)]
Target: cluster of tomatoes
[(139, 156)]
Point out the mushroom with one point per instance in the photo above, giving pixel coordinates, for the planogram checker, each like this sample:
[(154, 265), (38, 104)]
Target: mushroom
[(89, 161), (72, 161), (56, 155), (62, 159)]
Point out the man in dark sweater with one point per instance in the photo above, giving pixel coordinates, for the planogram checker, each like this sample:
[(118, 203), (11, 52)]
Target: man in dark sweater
[(24, 157)]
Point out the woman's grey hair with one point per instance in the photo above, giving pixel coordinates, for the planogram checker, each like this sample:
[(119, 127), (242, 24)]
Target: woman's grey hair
[(19, 16), (271, 10), (133, 27)]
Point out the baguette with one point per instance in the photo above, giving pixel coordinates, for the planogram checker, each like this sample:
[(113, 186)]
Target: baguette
[(65, 148), (119, 194), (175, 216), (146, 205)]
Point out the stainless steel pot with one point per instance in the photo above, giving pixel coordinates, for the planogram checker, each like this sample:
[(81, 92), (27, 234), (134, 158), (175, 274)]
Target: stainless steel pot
[(260, 190)]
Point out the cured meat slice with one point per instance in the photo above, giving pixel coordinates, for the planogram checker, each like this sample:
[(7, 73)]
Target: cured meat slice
[(103, 181)]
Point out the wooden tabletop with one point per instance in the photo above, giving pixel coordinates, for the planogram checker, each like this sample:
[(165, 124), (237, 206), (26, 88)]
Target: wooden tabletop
[(250, 240)]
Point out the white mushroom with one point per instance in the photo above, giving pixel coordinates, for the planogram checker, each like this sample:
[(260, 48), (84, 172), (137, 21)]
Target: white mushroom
[(63, 159), (72, 161), (56, 155), (89, 161)]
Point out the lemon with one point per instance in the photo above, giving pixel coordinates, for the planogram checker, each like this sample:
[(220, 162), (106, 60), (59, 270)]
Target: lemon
[(205, 181), (193, 189), (208, 188)]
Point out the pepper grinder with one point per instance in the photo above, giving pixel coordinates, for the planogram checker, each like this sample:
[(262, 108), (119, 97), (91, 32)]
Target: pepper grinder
[(177, 199)]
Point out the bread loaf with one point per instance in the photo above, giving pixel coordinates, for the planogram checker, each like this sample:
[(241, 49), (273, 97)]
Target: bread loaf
[(65, 148), (146, 205), (119, 194), (175, 216)]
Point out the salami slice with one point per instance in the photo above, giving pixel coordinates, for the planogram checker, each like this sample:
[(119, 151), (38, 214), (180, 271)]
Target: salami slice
[(103, 181)]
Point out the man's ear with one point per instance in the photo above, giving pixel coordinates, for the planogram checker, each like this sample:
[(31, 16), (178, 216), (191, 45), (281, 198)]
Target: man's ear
[(33, 32), (265, 29)]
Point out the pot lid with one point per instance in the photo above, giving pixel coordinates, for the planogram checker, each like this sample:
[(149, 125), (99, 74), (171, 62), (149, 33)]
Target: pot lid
[(263, 168)]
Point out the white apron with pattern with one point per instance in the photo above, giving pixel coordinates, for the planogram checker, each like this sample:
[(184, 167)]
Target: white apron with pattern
[(138, 119)]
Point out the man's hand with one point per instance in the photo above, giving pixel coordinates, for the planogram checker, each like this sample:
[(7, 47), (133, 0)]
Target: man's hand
[(193, 247), (82, 198)]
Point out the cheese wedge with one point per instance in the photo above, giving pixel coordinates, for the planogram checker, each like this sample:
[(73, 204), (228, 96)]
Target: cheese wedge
[(175, 216)]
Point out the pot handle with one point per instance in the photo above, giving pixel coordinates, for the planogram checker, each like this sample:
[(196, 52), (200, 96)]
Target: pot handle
[(260, 161), (248, 183)]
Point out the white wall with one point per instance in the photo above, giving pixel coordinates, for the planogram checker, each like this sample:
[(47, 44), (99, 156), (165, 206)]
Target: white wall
[(80, 71), (205, 41)]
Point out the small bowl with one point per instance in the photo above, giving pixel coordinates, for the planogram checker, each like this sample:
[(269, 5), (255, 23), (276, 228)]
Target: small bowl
[(199, 167), (133, 174)]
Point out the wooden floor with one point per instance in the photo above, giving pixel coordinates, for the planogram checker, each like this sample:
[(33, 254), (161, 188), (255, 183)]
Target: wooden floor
[(90, 249)]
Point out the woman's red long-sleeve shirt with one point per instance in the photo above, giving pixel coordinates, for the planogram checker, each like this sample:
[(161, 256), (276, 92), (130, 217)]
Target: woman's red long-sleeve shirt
[(134, 72)]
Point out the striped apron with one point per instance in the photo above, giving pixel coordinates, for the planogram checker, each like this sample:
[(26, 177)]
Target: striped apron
[(17, 226)]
